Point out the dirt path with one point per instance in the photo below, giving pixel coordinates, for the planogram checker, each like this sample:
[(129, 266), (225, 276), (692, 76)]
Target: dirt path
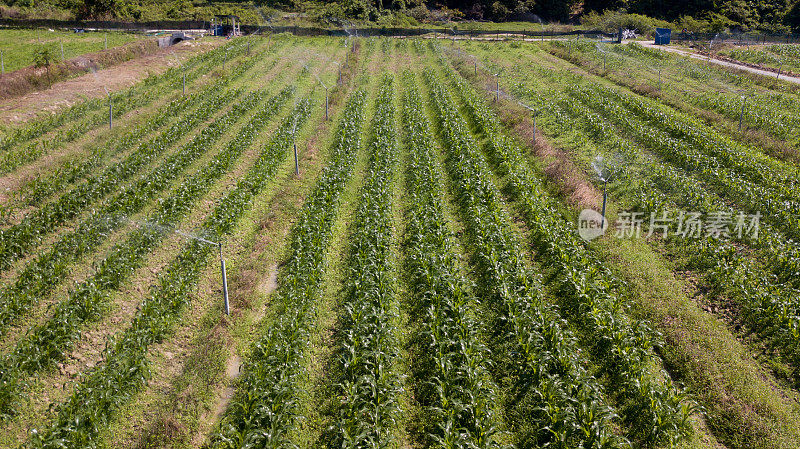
[(66, 93), (790, 79)]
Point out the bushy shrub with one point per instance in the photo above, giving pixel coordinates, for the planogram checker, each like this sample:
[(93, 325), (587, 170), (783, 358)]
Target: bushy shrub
[(612, 21)]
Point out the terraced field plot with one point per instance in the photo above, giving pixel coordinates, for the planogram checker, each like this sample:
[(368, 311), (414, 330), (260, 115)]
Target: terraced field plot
[(400, 224), (19, 46)]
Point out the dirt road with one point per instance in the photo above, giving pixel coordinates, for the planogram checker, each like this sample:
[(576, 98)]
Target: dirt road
[(790, 79)]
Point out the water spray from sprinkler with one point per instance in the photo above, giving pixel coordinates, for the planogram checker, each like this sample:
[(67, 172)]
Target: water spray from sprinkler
[(604, 55), (744, 97), (601, 167), (164, 229)]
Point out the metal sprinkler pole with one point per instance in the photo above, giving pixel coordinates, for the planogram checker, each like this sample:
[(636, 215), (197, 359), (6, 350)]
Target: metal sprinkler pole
[(605, 196), (659, 79), (475, 63), (110, 112), (741, 114), (2, 63), (224, 282), (184, 81), (497, 88), (296, 164), (326, 103), (534, 129), (60, 42)]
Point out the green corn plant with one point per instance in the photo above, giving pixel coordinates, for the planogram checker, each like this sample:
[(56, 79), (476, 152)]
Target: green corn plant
[(126, 369), (625, 346), (42, 274), (450, 361), (46, 344), (88, 115), (265, 409), (368, 386), (543, 354)]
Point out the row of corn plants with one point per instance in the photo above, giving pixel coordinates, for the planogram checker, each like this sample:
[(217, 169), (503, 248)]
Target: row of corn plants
[(265, 409), (773, 112), (769, 304), (710, 148), (89, 114), (556, 397), (46, 344), (71, 171), (58, 179), (47, 270), (658, 412), (784, 254), (125, 368), (453, 383), (366, 381), (18, 240)]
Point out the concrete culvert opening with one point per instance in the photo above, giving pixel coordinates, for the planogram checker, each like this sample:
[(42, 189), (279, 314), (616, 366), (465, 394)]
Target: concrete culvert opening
[(168, 41)]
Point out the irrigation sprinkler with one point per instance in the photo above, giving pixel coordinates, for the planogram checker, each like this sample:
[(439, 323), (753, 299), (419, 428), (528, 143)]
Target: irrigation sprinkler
[(224, 282), (659, 78), (110, 110), (2, 63), (497, 86), (604, 173), (61, 43), (741, 113), (221, 264), (541, 24), (294, 145), (105, 44), (183, 72), (296, 162)]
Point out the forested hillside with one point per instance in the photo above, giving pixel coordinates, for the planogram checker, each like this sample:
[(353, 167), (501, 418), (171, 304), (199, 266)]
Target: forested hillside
[(697, 15)]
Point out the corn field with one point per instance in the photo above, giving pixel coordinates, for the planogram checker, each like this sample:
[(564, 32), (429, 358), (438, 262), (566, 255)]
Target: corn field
[(377, 243)]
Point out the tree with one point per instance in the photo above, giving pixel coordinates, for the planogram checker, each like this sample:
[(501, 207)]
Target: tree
[(99, 8), (43, 57)]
